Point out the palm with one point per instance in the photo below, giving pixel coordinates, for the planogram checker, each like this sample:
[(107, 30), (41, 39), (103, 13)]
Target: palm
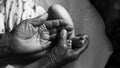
[(29, 36), (33, 35)]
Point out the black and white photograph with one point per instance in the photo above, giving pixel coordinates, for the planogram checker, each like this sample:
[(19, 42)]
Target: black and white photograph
[(59, 34)]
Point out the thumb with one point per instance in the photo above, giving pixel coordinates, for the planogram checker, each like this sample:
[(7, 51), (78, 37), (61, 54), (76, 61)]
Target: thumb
[(63, 38), (37, 21)]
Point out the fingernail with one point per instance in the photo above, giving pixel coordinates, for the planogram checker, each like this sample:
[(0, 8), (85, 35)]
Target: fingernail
[(69, 28)]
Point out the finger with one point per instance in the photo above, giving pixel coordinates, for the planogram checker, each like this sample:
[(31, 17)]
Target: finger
[(58, 12), (38, 20), (58, 24), (81, 45), (55, 32), (43, 32), (55, 23), (78, 41), (63, 38)]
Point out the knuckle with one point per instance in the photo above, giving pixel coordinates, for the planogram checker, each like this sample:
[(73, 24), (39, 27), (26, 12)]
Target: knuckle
[(56, 23), (48, 24), (63, 22)]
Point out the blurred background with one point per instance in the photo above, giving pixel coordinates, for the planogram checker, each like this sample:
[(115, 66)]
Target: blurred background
[(110, 12)]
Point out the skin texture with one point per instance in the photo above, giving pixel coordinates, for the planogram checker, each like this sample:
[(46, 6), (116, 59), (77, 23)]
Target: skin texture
[(87, 20), (58, 14), (63, 53), (37, 33), (29, 33), (28, 28), (22, 38)]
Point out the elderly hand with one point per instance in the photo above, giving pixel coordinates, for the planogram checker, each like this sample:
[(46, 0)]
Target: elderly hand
[(37, 34), (33, 35), (63, 52)]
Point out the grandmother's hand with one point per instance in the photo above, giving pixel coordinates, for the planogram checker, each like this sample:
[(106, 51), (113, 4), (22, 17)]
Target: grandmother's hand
[(67, 47), (37, 34), (33, 35), (64, 52)]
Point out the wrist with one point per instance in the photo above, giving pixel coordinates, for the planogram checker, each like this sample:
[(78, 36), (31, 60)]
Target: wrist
[(52, 58), (46, 62)]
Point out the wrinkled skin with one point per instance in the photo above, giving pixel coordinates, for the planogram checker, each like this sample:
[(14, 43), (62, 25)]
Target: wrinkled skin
[(27, 38), (31, 32), (86, 19), (63, 53), (36, 33)]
